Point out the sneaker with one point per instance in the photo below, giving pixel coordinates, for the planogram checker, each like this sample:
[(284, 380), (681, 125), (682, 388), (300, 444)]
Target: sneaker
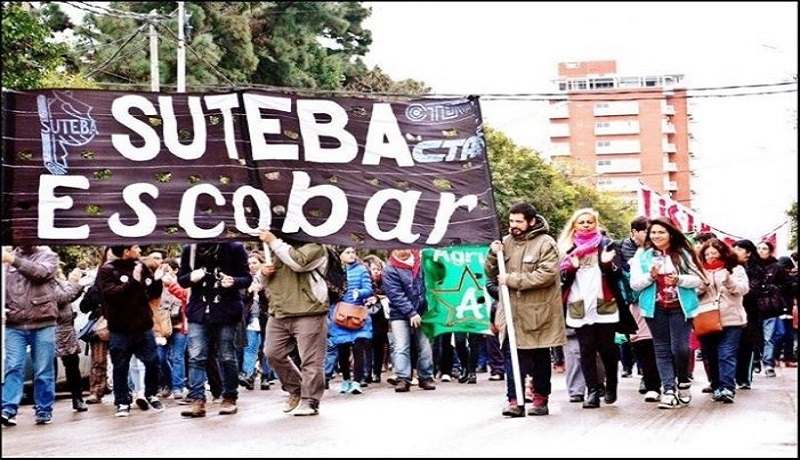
[(355, 388), (166, 392), (744, 386), (93, 399), (141, 403), (305, 409), (228, 407), (576, 399), (769, 372), (446, 378), (79, 405), (651, 396), (511, 409), (716, 395), (726, 396), (669, 400), (44, 418), (428, 384), (155, 403), (642, 387), (346, 386), (473, 379), (708, 389), (179, 394), (123, 410), (685, 393), (392, 380), (265, 385), (539, 405), (291, 403), (414, 380), (9, 420), (496, 377)]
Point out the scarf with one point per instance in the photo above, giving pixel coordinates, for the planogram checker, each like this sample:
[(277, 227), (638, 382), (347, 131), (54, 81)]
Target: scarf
[(414, 266), (714, 265), (585, 244)]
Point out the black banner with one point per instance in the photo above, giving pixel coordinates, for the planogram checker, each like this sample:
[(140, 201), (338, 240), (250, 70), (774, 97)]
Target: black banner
[(103, 167)]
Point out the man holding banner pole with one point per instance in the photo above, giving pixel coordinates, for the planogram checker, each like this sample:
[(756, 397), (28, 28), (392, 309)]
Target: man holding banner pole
[(525, 265)]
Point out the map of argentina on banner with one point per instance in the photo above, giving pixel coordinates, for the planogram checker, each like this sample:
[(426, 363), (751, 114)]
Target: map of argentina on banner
[(455, 284)]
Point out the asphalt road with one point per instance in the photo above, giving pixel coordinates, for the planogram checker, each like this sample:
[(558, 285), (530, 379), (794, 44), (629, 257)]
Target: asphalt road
[(455, 420)]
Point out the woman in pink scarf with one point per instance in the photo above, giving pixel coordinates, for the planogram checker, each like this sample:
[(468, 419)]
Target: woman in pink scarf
[(590, 292)]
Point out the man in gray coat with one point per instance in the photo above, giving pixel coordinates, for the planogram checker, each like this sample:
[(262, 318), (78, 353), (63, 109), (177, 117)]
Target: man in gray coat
[(533, 279)]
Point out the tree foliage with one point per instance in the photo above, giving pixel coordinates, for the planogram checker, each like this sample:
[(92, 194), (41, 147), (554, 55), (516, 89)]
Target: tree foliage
[(792, 215), (28, 47), (313, 45), (520, 174)]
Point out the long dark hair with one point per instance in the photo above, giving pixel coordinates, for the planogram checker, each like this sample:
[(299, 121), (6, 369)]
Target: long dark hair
[(681, 251), (726, 254)]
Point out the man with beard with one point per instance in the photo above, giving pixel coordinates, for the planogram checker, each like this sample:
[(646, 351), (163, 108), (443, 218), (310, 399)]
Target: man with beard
[(532, 277)]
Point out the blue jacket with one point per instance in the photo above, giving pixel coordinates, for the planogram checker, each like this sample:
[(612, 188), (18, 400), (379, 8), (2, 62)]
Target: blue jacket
[(407, 294), (641, 281), (358, 279)]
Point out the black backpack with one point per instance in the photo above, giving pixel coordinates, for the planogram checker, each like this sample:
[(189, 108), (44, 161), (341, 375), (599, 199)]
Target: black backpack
[(335, 275)]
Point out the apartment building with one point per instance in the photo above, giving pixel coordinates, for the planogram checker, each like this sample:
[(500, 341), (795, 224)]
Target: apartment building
[(612, 130)]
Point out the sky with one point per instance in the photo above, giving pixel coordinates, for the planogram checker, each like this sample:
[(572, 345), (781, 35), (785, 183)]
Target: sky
[(746, 146)]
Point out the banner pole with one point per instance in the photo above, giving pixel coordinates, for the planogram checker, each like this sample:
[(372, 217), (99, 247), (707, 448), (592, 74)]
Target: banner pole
[(510, 331)]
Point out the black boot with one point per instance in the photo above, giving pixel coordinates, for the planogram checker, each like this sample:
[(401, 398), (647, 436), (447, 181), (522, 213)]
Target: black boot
[(611, 393), (79, 405), (592, 399)]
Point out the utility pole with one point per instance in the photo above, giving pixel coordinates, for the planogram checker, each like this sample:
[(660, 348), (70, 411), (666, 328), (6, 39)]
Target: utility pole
[(154, 73), (181, 49)]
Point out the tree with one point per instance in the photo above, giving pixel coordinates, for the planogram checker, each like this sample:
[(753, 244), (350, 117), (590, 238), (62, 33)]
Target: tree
[(520, 174), (312, 45), (29, 50)]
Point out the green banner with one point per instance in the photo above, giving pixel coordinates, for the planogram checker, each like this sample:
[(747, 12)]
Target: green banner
[(457, 297)]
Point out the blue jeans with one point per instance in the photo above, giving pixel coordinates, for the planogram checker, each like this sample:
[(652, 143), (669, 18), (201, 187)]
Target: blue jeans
[(670, 331), (43, 353), (721, 351), (250, 352), (770, 341), (122, 348), (177, 358), (403, 337), (331, 358), (200, 335)]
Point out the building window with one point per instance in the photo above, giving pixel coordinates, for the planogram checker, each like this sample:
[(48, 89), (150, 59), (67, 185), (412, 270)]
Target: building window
[(603, 162), (603, 144), (601, 105), (602, 124), (601, 83)]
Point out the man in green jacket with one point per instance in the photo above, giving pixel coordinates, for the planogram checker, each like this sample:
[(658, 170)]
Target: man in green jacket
[(532, 278), (298, 316)]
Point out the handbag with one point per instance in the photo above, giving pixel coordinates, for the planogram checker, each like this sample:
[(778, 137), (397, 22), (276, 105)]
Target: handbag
[(350, 316), (87, 333), (770, 303), (101, 329), (708, 319)]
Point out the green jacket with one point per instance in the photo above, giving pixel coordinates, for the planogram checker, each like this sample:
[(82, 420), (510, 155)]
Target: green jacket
[(532, 261), (290, 291)]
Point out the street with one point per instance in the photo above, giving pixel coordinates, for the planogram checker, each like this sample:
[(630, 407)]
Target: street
[(455, 420)]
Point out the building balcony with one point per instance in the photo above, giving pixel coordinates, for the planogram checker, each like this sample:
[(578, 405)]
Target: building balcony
[(559, 130)]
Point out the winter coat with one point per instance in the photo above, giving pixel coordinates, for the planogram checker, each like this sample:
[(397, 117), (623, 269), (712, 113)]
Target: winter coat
[(532, 263), (66, 338), (126, 301), (731, 288), (406, 293), (290, 293), (223, 304), (31, 289), (358, 279)]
